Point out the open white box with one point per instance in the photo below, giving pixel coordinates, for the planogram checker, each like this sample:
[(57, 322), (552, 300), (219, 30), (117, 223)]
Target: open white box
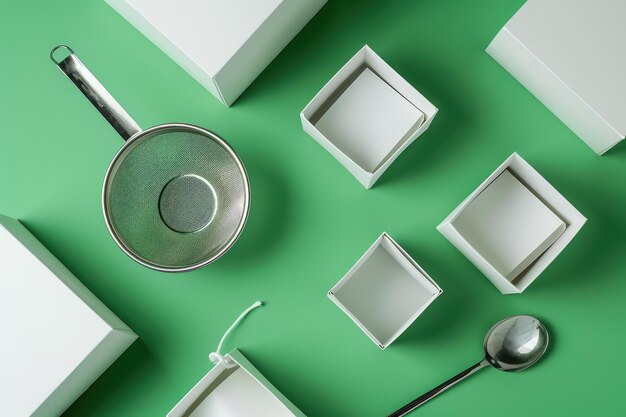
[(366, 115), (223, 44), (385, 291), (57, 337), (549, 196), (234, 388), (570, 55)]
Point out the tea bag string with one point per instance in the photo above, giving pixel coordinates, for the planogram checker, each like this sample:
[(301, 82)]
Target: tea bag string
[(216, 357)]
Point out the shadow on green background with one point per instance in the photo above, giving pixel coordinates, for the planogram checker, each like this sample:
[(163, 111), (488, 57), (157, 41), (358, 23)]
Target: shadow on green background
[(311, 220)]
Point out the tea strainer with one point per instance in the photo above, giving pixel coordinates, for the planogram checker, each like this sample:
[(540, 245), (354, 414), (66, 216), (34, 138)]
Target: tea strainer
[(176, 196)]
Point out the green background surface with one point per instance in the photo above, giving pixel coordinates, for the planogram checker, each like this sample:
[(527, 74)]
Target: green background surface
[(311, 220)]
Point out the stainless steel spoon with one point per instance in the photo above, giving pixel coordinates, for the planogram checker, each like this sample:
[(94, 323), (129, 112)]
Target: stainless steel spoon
[(511, 345)]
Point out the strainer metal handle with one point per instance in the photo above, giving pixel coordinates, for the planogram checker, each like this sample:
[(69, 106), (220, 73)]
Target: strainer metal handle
[(95, 92)]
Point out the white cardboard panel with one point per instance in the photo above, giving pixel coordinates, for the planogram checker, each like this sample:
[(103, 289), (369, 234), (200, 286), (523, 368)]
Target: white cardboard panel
[(576, 73), (385, 291), (224, 45), (238, 396), (572, 218), (365, 58), (368, 120), (234, 388), (508, 225), (50, 354)]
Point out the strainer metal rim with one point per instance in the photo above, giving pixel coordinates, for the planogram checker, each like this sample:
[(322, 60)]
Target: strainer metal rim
[(162, 128)]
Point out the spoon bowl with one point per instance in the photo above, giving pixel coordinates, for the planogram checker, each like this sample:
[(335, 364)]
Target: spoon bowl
[(516, 343)]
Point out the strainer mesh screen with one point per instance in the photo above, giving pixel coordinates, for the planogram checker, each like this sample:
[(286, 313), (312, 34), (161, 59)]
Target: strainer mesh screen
[(140, 175)]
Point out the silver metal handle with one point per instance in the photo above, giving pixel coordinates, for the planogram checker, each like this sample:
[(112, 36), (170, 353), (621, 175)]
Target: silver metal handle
[(439, 389), (95, 92)]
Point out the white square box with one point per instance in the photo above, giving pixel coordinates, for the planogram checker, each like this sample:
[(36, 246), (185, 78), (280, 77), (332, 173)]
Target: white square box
[(570, 55), (234, 388), (223, 44), (366, 115), (508, 225), (522, 243), (57, 337), (385, 291)]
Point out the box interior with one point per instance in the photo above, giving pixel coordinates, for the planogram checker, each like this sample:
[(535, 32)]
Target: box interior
[(367, 119), (508, 225), (236, 393), (543, 190), (224, 45), (385, 292), (369, 167), (66, 342)]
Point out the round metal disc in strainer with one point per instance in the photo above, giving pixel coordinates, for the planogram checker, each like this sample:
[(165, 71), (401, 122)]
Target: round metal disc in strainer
[(176, 197)]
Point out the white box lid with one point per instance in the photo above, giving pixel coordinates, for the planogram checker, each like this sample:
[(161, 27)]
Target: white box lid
[(50, 322), (583, 43), (570, 55), (224, 45)]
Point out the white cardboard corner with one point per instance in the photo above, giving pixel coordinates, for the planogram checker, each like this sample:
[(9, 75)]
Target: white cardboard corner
[(224, 45), (572, 218), (384, 292), (365, 58), (577, 74), (50, 354), (217, 393)]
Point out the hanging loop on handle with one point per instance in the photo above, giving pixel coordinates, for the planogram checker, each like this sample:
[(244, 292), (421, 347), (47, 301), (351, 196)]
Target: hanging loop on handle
[(64, 48), (216, 357), (95, 92)]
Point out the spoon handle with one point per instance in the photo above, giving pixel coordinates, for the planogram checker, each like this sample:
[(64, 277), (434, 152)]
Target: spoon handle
[(439, 389)]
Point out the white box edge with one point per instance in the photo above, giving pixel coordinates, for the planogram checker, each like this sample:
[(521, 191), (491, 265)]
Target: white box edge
[(368, 58), (357, 265), (549, 195), (554, 93), (182, 407)]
